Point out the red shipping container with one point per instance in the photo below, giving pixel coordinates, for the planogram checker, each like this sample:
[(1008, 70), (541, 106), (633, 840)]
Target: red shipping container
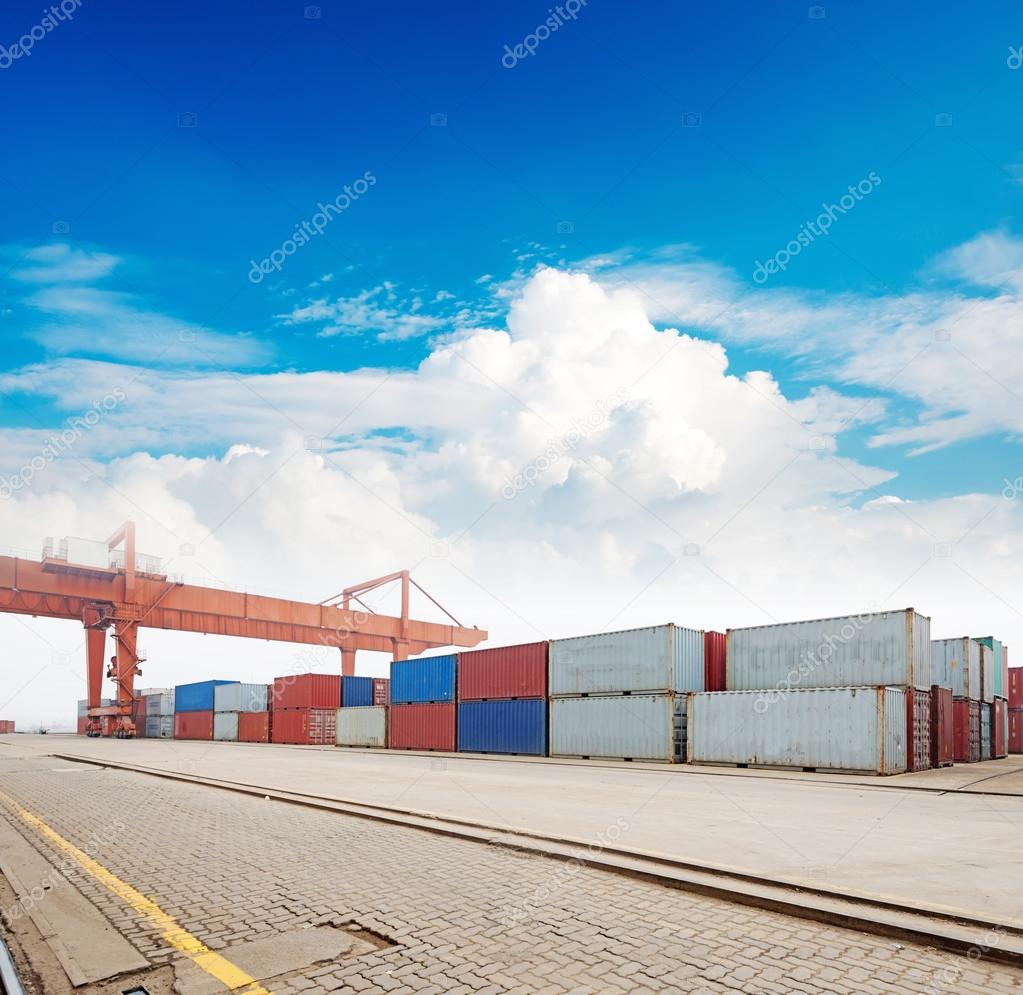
[(305, 726), (503, 672), (999, 746), (422, 726), (253, 727), (966, 725), (942, 729), (1016, 730), (307, 691), (918, 729), (193, 725), (714, 661), (138, 716), (381, 691), (82, 723), (1015, 686)]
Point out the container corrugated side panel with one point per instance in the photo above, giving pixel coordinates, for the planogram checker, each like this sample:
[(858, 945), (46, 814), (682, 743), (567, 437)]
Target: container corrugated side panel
[(422, 726), (253, 727), (921, 637), (987, 674), (356, 692), (838, 728), (225, 727), (159, 726), (307, 691), (494, 726), (240, 698), (160, 704), (503, 672), (714, 661), (955, 664), (427, 679), (361, 726), (196, 697), (895, 756), (985, 731), (193, 725), (872, 649), (639, 727)]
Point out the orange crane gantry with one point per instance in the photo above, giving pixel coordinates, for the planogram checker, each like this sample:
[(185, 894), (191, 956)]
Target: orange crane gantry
[(126, 599)]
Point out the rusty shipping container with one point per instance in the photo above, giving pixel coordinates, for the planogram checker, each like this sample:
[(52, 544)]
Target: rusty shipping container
[(423, 726), (503, 672), (714, 644), (193, 725), (854, 729), (618, 726), (942, 728), (987, 674), (966, 726), (1000, 729), (955, 664), (1016, 687), (1016, 730), (874, 649), (253, 727), (304, 726), (307, 691), (159, 726), (381, 691), (918, 729)]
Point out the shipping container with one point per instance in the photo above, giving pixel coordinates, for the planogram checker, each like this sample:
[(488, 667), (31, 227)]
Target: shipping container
[(942, 727), (83, 723), (6, 726), (304, 726), (307, 691), (364, 726), (1016, 730), (987, 674), (714, 648), (514, 726), (504, 672), (618, 726), (225, 727), (193, 725), (986, 730), (422, 726), (356, 692), (83, 706), (159, 726), (426, 679), (196, 697), (240, 698), (997, 670), (381, 691), (876, 649), (1016, 687), (253, 727), (1000, 729), (161, 703), (966, 724), (955, 664), (138, 716), (918, 729), (855, 728), (659, 658)]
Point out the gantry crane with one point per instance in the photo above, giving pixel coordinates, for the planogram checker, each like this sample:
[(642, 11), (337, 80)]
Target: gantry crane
[(130, 593)]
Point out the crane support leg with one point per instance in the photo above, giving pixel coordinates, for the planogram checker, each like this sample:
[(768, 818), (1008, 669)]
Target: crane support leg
[(124, 666), (347, 662)]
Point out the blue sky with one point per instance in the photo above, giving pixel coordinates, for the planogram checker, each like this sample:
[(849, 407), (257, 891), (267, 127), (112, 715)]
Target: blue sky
[(648, 155)]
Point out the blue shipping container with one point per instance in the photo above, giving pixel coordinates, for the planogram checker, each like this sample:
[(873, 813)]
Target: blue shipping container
[(429, 678), (356, 692), (518, 726), (196, 697)]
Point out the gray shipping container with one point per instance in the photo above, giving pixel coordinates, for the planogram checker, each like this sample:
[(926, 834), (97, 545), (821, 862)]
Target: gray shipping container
[(83, 705), (160, 704), (225, 726), (659, 658), (240, 698), (634, 726), (159, 727), (986, 719), (364, 725), (859, 728), (955, 664), (987, 675), (878, 648)]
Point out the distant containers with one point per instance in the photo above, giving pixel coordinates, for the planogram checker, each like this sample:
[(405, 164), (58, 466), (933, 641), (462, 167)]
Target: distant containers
[(240, 698), (986, 730), (987, 673), (364, 726), (853, 728), (193, 725), (307, 691), (942, 727), (516, 725), (1016, 730), (966, 726), (422, 726), (714, 648), (1000, 729), (253, 727), (660, 658), (503, 672), (876, 649), (955, 664), (225, 727), (198, 697), (618, 726), (159, 726), (356, 692), (995, 669), (304, 726), (918, 729), (427, 679), (160, 703), (6, 726), (381, 691), (1015, 694)]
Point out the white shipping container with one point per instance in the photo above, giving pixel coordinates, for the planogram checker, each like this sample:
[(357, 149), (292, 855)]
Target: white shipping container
[(240, 698), (955, 664), (83, 705), (635, 726), (364, 725), (856, 728), (159, 727), (659, 658), (876, 648), (225, 726), (160, 704), (987, 675)]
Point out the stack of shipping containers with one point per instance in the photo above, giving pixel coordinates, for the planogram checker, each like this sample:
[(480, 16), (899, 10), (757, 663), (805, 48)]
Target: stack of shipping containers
[(194, 709), (305, 709), (423, 713), (241, 713), (83, 712), (6, 726), (362, 718), (159, 712), (622, 694), (995, 711), (1015, 689), (957, 664), (502, 700), (850, 693)]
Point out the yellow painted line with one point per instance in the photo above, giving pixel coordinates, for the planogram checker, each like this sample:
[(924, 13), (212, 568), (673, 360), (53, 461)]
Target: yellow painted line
[(171, 931)]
